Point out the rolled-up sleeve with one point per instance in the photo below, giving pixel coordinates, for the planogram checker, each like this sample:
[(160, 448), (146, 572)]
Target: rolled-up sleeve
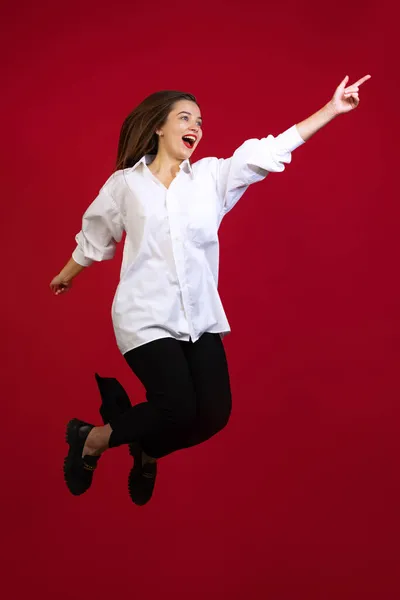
[(102, 228), (252, 162)]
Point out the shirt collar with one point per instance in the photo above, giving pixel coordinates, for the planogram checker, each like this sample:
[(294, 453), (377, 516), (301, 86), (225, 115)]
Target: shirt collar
[(148, 158), (186, 165)]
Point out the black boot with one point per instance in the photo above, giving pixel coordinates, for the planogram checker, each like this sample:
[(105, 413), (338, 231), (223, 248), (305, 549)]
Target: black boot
[(142, 477), (78, 470), (115, 401)]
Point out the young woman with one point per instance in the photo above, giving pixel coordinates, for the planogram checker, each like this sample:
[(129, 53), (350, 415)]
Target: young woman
[(167, 314)]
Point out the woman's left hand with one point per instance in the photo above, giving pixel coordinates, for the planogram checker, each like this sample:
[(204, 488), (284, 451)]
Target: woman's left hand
[(347, 98)]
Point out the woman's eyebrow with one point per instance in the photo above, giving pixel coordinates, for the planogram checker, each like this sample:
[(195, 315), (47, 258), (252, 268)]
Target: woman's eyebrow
[(188, 113)]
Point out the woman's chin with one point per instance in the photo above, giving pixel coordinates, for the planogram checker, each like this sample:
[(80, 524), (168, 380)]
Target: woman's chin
[(185, 155)]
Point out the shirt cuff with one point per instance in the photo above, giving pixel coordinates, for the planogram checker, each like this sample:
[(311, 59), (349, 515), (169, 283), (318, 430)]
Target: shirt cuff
[(80, 258), (290, 139)]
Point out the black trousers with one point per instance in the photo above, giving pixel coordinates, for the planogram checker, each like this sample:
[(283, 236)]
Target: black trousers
[(188, 395)]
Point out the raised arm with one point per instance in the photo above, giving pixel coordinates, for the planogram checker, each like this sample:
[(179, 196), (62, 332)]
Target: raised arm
[(255, 158), (343, 101)]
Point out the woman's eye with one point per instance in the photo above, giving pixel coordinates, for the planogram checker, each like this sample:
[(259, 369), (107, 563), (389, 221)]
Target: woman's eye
[(185, 117)]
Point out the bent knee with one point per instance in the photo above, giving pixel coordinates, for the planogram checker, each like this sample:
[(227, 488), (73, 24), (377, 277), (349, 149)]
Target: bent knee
[(222, 421), (219, 420)]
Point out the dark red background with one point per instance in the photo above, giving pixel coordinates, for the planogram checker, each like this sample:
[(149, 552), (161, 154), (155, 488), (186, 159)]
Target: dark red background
[(298, 499)]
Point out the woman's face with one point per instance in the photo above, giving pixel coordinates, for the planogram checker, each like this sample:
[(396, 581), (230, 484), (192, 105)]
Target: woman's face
[(181, 133)]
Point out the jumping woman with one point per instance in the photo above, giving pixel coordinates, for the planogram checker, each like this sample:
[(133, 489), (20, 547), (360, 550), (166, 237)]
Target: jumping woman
[(167, 314)]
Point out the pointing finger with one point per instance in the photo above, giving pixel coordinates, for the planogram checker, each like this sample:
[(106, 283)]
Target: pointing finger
[(362, 80)]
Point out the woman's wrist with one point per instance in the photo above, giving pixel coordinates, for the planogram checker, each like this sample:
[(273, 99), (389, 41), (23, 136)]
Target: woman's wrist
[(330, 111), (315, 122), (71, 270)]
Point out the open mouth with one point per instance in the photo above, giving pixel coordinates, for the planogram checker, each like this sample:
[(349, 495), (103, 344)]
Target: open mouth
[(189, 141)]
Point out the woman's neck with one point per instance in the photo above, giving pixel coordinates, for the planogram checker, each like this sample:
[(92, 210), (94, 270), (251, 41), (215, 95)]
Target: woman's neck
[(165, 166)]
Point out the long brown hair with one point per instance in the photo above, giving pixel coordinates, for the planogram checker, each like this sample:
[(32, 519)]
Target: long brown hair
[(138, 132)]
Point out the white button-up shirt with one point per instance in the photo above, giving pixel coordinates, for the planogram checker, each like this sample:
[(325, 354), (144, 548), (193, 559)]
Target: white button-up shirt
[(169, 273)]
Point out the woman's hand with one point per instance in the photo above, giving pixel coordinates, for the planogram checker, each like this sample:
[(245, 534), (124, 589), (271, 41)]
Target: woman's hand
[(59, 285), (63, 281), (345, 98)]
